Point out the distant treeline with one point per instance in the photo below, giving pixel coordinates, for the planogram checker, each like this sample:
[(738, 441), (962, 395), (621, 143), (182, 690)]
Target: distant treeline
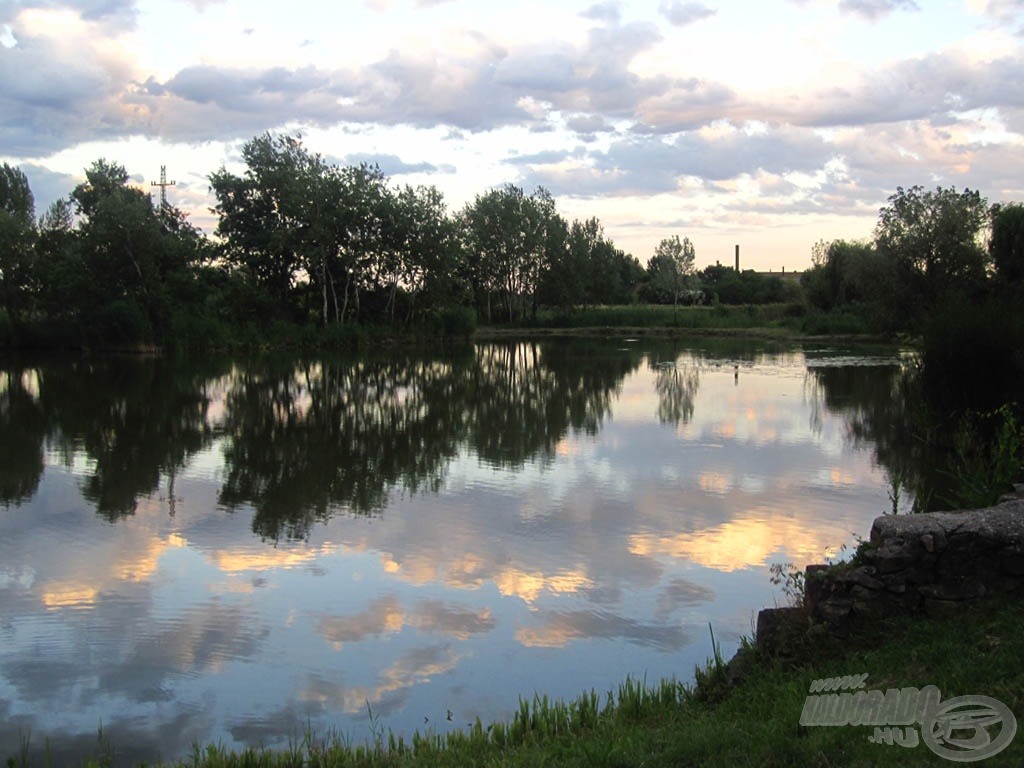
[(305, 248)]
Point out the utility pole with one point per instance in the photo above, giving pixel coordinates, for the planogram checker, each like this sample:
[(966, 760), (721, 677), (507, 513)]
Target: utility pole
[(163, 184)]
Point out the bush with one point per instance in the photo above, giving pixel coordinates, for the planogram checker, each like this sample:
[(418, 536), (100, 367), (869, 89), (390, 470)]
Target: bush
[(458, 322), (973, 352), (449, 322), (120, 322), (6, 330), (818, 323)]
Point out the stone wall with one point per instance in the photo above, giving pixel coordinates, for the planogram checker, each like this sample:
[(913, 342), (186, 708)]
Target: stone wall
[(927, 563)]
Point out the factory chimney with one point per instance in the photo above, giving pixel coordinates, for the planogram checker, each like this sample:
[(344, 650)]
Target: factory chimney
[(737, 259)]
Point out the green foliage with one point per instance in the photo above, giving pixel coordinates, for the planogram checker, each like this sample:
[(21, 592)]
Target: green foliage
[(1007, 244), (510, 239), (989, 452), (834, 323), (933, 240), (973, 352), (747, 287), (454, 322), (6, 330), (121, 322), (791, 579), (852, 279), (307, 243), (671, 268), (587, 269), (17, 233)]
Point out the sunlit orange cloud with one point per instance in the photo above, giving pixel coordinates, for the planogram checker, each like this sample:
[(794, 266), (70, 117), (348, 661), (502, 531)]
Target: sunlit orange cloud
[(724, 429), (414, 569), (408, 671), (384, 617), (714, 482), (840, 476), (546, 637), (529, 586), (743, 543), (142, 565), (136, 563), (267, 559), (60, 595), (568, 446)]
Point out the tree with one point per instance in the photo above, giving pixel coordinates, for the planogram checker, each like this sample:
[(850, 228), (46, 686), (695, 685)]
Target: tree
[(429, 253), (126, 261), (1007, 244), (934, 239), (671, 268), (58, 269), (509, 238), (17, 232), (258, 213)]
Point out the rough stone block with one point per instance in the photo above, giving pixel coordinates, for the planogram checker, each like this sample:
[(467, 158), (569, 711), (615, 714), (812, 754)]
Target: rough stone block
[(778, 627)]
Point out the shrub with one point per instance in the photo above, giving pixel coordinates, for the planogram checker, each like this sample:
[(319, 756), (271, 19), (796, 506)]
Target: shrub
[(458, 322), (6, 330), (121, 322)]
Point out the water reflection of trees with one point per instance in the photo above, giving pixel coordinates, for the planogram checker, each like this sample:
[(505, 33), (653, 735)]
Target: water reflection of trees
[(307, 440), (676, 384), (134, 419), (522, 399), (22, 429), (885, 407), (301, 439)]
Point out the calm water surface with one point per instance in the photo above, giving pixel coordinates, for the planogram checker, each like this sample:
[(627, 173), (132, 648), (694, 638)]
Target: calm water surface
[(234, 551)]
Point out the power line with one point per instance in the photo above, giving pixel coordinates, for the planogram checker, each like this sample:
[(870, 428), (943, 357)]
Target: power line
[(163, 184)]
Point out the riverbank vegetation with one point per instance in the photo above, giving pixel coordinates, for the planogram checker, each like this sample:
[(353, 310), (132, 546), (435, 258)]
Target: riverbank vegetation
[(307, 252)]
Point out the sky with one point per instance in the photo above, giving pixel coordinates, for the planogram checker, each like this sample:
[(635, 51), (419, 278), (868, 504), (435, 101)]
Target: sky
[(767, 124)]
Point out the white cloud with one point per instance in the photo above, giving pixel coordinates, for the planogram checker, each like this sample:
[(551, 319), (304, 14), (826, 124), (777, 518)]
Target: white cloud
[(518, 91), (876, 9), (682, 14)]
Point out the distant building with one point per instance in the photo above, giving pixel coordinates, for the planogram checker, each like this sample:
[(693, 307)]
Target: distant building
[(789, 277)]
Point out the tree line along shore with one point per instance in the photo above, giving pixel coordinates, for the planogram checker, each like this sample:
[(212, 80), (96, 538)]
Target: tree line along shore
[(306, 251)]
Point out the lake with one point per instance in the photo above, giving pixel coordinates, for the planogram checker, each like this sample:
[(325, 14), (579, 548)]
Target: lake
[(242, 550)]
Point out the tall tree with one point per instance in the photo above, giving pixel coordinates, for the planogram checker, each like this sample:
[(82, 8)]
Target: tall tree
[(508, 238), (127, 261), (672, 266), (124, 254), (257, 213), (17, 232), (1007, 244), (935, 241)]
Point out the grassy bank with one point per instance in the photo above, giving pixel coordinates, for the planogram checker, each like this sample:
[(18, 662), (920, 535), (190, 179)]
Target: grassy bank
[(752, 721), (791, 318)]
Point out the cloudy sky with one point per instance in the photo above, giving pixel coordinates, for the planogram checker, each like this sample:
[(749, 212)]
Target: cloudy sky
[(769, 124)]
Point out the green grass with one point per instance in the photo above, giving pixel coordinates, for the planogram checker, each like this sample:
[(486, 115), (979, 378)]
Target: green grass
[(775, 319), (752, 722)]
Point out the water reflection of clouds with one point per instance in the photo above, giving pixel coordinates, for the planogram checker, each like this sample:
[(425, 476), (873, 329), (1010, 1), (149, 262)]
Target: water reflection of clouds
[(386, 615), (391, 685), (558, 628), (743, 542)]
